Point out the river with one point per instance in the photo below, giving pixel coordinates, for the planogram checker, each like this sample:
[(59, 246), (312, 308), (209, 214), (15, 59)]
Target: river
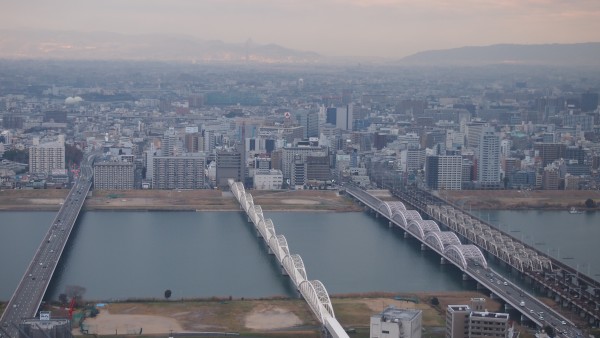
[(127, 254), (119, 255)]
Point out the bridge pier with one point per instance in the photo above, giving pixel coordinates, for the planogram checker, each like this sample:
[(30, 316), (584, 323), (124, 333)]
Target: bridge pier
[(442, 261), (283, 272), (258, 234), (390, 224), (405, 234), (423, 247)]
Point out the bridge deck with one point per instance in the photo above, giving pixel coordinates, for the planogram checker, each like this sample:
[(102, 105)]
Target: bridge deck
[(512, 294), (28, 295)]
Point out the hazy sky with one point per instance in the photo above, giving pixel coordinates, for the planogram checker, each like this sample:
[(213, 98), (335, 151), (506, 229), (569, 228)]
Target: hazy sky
[(388, 28)]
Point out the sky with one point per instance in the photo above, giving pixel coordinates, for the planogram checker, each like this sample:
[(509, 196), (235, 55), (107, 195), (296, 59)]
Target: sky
[(365, 28)]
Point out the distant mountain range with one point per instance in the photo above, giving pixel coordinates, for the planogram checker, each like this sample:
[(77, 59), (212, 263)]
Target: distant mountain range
[(578, 54), (71, 45)]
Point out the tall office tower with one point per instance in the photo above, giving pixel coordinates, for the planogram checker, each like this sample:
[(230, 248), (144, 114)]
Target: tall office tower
[(549, 152), (11, 121), (317, 168), (474, 130), (169, 142), (298, 172), (229, 165), (413, 159), (330, 115), (210, 140), (179, 172), (113, 175), (192, 142), (289, 155), (43, 158), (488, 164), (575, 153), (309, 120), (344, 117), (443, 172)]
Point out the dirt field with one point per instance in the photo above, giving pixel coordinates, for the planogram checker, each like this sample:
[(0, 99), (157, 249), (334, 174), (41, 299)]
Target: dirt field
[(262, 316), (521, 199), (206, 200)]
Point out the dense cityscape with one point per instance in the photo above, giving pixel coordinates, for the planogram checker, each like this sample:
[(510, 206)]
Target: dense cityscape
[(181, 126), (247, 126)]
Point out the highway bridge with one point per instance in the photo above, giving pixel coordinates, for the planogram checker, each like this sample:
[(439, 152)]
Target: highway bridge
[(27, 298), (570, 288), (468, 258), (313, 291)]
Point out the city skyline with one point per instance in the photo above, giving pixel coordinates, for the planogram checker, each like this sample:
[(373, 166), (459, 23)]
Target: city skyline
[(358, 28)]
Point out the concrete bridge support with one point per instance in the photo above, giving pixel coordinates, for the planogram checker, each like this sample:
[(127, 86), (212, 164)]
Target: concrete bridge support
[(423, 247)]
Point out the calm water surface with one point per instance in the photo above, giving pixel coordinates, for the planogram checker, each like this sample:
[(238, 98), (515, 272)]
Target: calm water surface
[(118, 255)]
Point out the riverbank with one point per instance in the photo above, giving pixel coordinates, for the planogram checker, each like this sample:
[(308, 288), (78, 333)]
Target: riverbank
[(178, 200), (285, 200), (522, 199), (266, 317)]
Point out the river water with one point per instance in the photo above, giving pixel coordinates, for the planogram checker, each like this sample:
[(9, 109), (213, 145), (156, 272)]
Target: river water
[(120, 255)]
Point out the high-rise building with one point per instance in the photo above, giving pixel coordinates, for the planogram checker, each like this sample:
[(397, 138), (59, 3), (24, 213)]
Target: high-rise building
[(192, 142), (289, 155), (46, 157), (229, 166), (488, 164), (179, 172), (111, 175), (309, 120), (549, 152), (169, 143), (298, 172), (443, 172)]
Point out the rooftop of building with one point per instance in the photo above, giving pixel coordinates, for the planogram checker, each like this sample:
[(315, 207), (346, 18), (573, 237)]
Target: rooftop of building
[(391, 313), (486, 314)]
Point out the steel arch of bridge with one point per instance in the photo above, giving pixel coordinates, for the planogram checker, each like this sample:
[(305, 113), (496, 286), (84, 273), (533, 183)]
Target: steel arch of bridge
[(402, 217), (313, 291), (490, 239), (388, 209), (462, 254), (440, 240), (419, 227)]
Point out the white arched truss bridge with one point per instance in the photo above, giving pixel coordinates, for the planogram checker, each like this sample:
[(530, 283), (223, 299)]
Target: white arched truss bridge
[(313, 291), (490, 239), (445, 243)]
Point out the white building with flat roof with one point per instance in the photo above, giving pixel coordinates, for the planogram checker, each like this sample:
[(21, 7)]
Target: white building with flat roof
[(394, 322)]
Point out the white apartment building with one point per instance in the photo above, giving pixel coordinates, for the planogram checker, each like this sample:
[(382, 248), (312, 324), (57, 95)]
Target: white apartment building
[(43, 158), (113, 175)]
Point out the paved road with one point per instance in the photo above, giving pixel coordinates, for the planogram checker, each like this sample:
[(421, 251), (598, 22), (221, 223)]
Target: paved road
[(27, 298)]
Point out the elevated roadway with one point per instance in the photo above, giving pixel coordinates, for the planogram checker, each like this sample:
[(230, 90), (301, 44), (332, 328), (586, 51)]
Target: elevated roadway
[(468, 258), (30, 291)]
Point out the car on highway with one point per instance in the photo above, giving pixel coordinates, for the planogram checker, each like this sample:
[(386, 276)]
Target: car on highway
[(505, 283), (563, 322)]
